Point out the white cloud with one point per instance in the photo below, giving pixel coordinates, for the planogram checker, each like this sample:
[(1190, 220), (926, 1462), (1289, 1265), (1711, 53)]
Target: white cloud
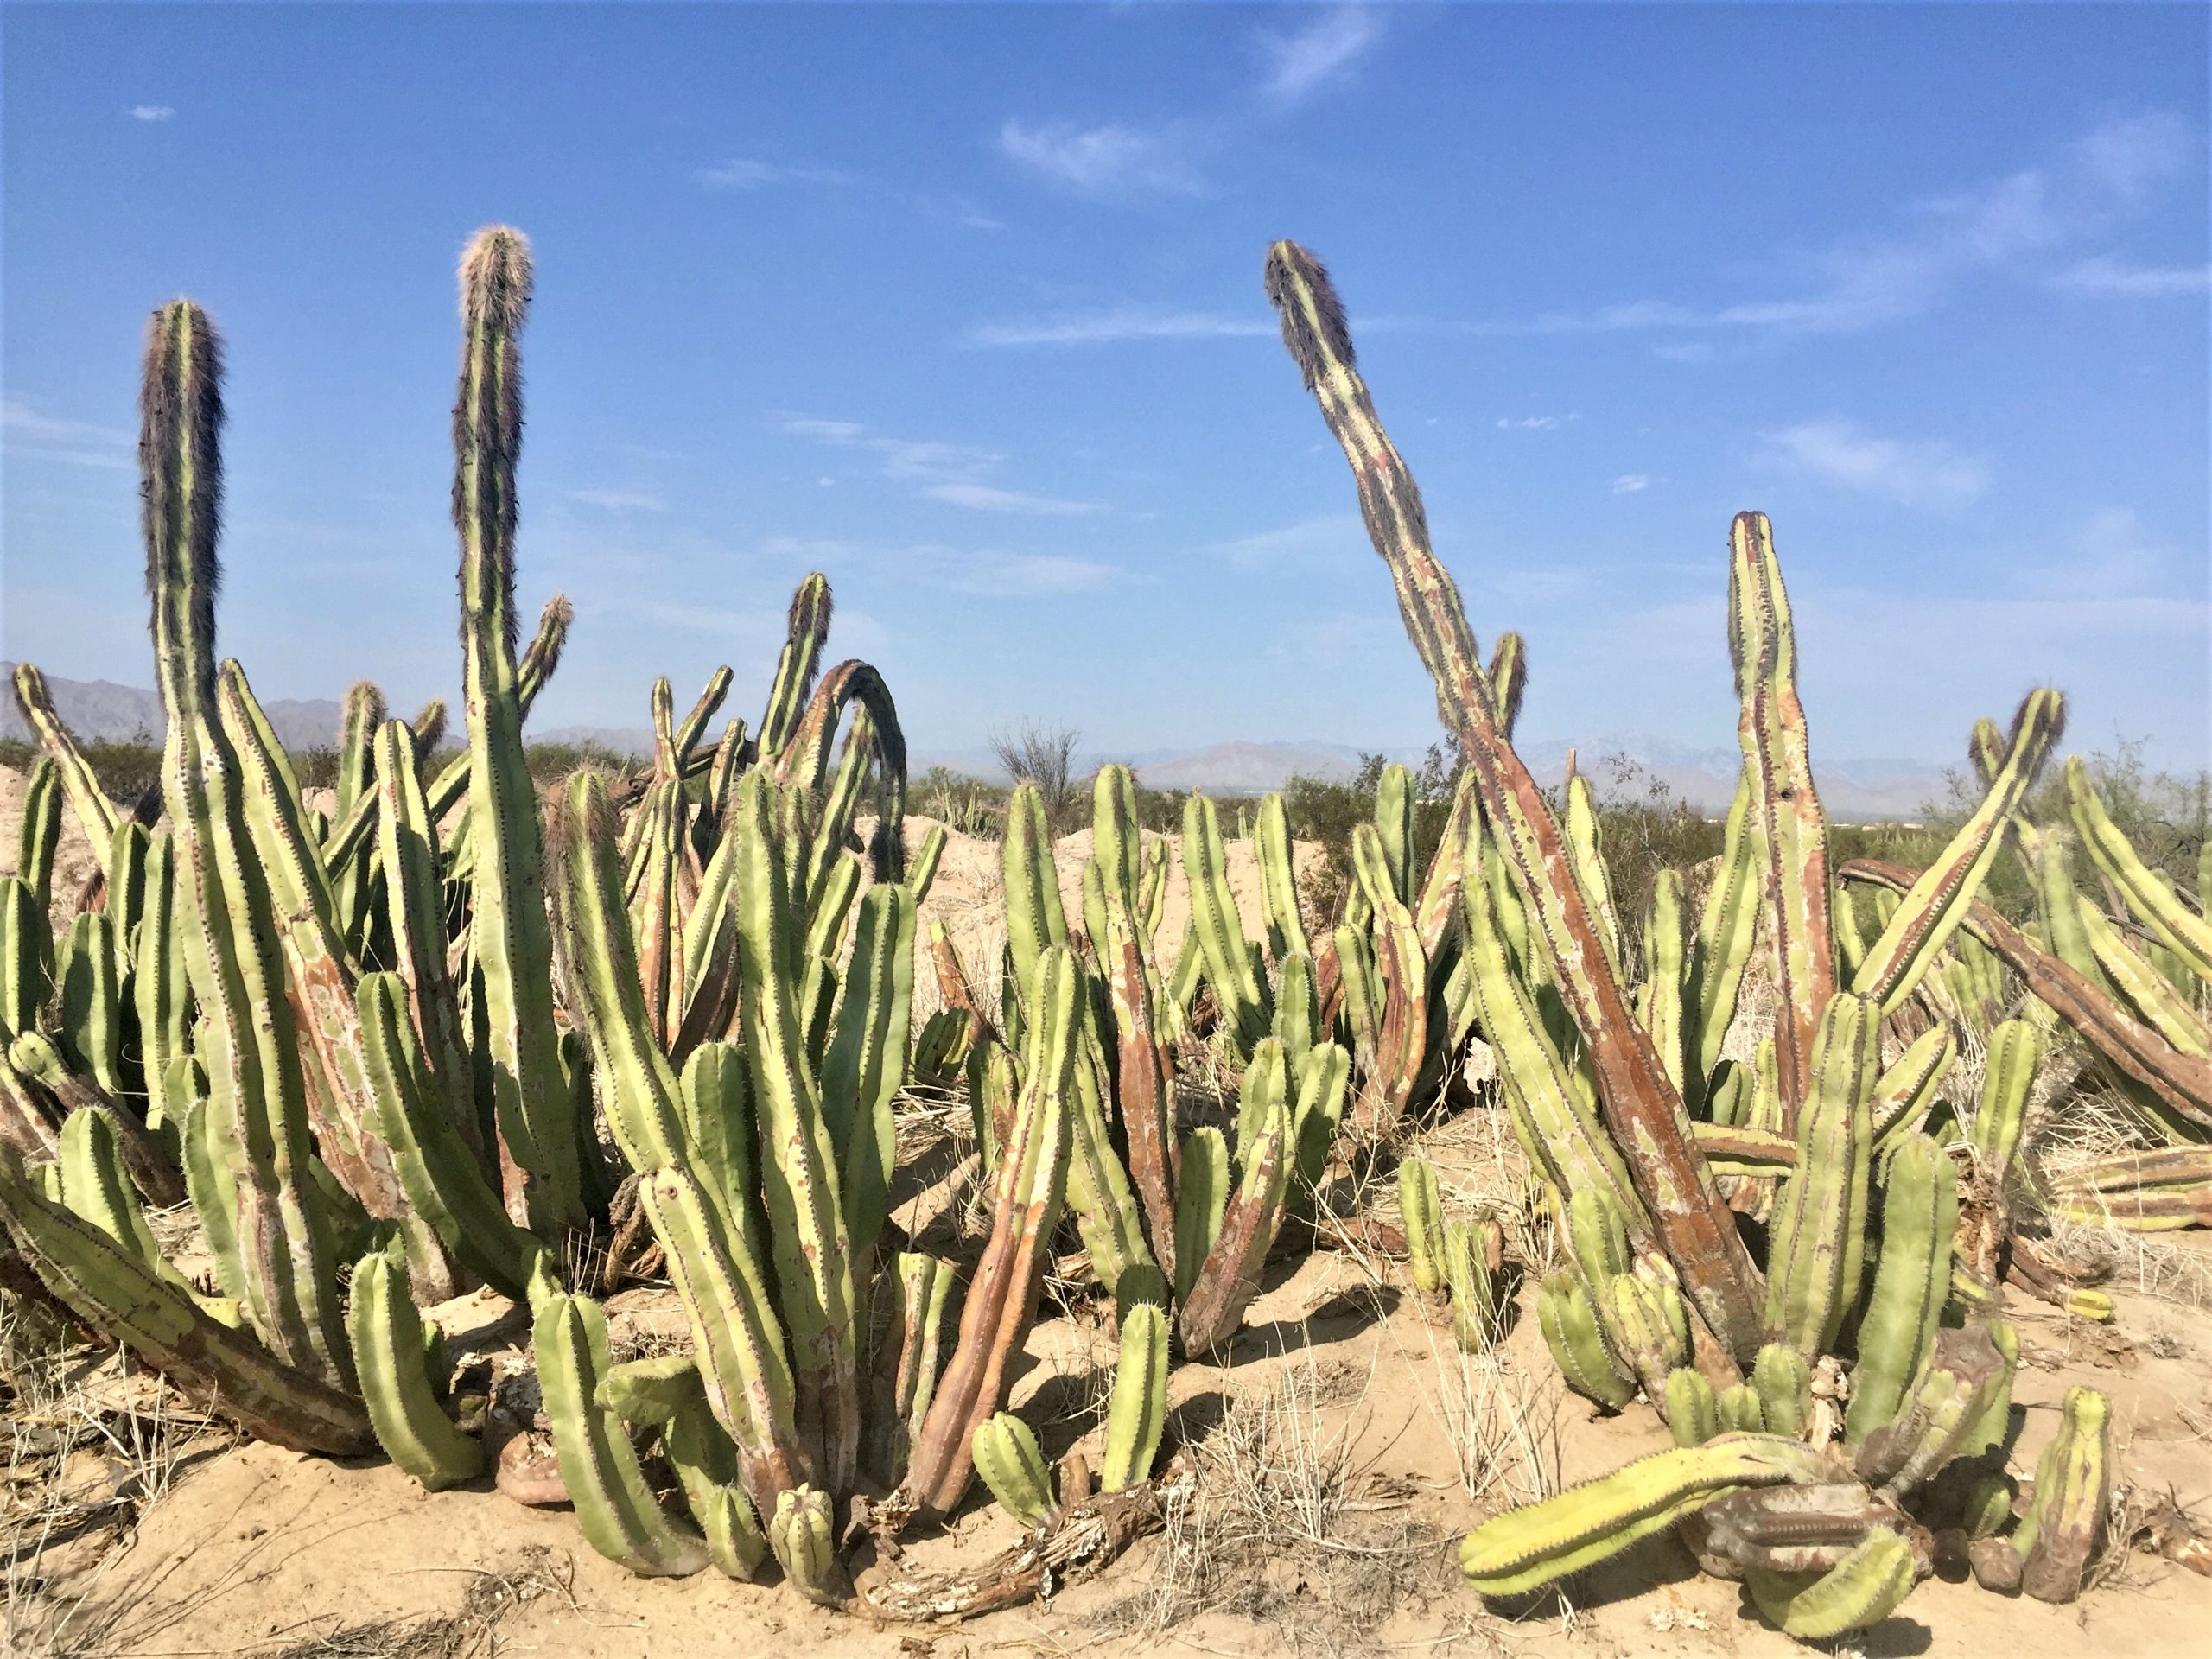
[(1107, 159), (1298, 63), (2012, 223), (621, 501), (1005, 575), (1530, 423), (152, 112), (25, 432), (1334, 539), (984, 498), (1927, 474), (1118, 322), (1633, 483), (2109, 276), (744, 174)]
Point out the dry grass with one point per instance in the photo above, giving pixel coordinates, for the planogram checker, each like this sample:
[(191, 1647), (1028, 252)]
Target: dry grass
[(1287, 1524), (92, 1441), (471, 1631)]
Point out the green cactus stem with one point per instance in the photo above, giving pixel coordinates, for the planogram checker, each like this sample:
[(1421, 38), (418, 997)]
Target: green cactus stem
[(1864, 1588), (1912, 1280), (1816, 1257), (1136, 1411), (1008, 1458), (801, 1532), (2153, 902), (2064, 1527), (1690, 1406), (621, 1518), (1784, 1384), (1002, 1295), (1526, 1549), (1568, 1320), (388, 1355), (1421, 1214)]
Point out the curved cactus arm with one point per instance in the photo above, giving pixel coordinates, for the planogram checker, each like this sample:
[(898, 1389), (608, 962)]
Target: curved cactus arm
[(921, 870), (1220, 929), (1817, 1253), (1002, 1296), (1645, 1113), (1792, 829), (224, 1372), (96, 814), (388, 1354), (2178, 1082), (699, 1452), (39, 832), (1912, 1279), (1526, 1549), (94, 1185), (807, 758), (807, 631), (1229, 1275), (1136, 1411), (511, 939), (1012, 1465), (2184, 932), (687, 732), (1863, 1589), (1278, 885), (1436, 907), (1937, 903), (619, 1516), (866, 1066)]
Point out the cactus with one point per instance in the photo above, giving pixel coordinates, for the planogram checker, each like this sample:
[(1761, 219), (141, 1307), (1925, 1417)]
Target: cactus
[(2182, 930), (616, 1507), (1527, 1548), (388, 1354), (1002, 1295), (1473, 1252), (1817, 1252), (1690, 1406), (1739, 1411), (1864, 1588), (1420, 1212), (2015, 1052), (1568, 1319), (1784, 1384), (2064, 1527), (1136, 1411), (1912, 1278), (512, 944), (1940, 1414), (800, 1534), (1007, 1459)]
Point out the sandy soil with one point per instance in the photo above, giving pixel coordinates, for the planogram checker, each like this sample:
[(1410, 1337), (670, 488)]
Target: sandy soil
[(1343, 1445)]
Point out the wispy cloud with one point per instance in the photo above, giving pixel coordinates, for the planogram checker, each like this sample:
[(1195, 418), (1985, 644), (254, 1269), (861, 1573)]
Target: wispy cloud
[(1298, 63), (1531, 423), (985, 498), (995, 575), (2110, 277), (24, 431), (621, 501), (2015, 223), (955, 474), (744, 172), (1118, 322), (151, 113), (1633, 483), (1929, 474), (1333, 539), (2113, 555), (1103, 161)]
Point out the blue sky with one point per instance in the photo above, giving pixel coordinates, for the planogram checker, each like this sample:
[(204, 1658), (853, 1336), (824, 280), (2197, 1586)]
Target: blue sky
[(962, 306)]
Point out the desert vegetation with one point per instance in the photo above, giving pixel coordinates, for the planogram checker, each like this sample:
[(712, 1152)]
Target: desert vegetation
[(334, 1051)]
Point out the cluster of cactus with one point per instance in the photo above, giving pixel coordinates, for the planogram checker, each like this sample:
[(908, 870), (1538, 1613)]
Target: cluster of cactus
[(389, 1037), (1460, 1259), (1648, 1142)]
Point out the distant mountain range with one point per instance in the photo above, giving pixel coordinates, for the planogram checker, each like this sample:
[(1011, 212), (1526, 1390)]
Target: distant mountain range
[(1858, 790)]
